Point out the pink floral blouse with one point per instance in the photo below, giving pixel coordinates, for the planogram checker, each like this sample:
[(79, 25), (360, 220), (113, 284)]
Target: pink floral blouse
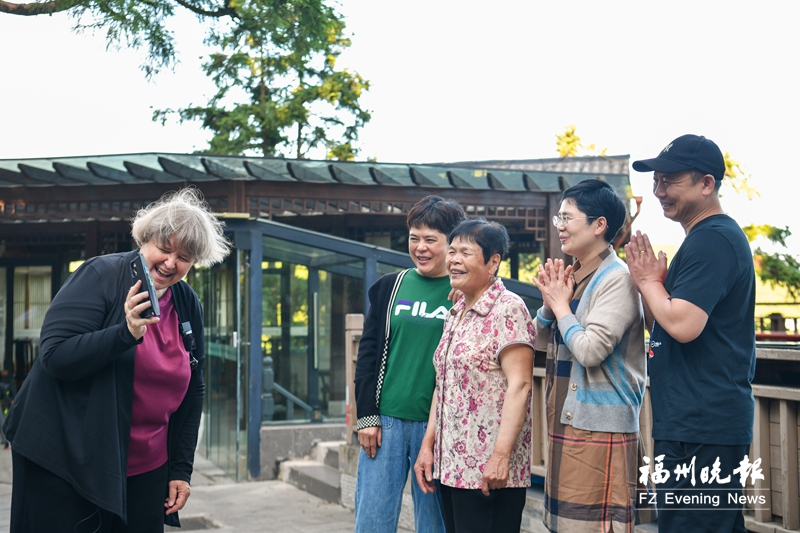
[(471, 386)]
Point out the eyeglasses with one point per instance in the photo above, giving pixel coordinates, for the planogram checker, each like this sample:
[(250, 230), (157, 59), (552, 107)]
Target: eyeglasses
[(561, 220)]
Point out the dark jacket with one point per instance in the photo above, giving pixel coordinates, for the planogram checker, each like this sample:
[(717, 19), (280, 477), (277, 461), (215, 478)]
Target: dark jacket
[(72, 415), (373, 349)]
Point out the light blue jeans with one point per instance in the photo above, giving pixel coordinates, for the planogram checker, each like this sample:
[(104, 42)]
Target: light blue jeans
[(380, 483)]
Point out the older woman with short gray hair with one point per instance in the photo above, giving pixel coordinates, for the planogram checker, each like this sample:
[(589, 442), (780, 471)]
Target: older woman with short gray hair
[(104, 429)]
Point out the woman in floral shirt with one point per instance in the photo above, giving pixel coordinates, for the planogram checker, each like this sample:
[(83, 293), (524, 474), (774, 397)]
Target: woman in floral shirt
[(479, 434)]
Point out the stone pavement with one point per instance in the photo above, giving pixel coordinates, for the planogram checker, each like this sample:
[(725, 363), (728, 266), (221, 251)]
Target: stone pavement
[(218, 504)]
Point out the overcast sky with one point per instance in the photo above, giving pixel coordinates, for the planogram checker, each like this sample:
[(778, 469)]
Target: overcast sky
[(467, 80)]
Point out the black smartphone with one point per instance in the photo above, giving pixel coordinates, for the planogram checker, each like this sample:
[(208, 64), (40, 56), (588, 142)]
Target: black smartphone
[(140, 272)]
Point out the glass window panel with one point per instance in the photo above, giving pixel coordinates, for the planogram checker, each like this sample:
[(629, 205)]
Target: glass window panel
[(32, 295), (529, 266), (223, 438), (384, 268), (307, 292), (312, 257), (3, 295)]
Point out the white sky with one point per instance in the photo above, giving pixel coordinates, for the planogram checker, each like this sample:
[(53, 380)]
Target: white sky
[(467, 80)]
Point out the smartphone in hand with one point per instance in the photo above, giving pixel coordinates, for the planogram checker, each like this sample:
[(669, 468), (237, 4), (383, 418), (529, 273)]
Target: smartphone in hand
[(140, 272)]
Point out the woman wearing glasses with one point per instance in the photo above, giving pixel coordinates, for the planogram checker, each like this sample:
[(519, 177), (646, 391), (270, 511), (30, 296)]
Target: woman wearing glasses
[(592, 328)]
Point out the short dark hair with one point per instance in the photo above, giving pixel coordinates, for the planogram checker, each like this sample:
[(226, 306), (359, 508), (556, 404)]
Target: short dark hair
[(597, 199), (490, 236), (437, 213), (697, 175)]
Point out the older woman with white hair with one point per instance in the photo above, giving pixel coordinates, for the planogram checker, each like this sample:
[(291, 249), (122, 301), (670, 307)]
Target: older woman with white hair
[(104, 429)]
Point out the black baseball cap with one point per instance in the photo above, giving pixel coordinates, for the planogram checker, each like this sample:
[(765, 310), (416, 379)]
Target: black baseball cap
[(687, 152)]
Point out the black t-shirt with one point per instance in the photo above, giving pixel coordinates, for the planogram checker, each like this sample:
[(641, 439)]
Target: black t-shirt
[(701, 390)]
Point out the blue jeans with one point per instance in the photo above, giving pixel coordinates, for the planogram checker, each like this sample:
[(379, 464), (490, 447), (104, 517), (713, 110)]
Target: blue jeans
[(380, 483)]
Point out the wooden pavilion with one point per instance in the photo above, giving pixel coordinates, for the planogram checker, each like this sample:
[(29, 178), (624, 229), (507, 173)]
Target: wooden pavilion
[(309, 237)]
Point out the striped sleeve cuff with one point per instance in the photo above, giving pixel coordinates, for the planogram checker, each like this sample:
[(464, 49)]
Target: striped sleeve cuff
[(545, 322)]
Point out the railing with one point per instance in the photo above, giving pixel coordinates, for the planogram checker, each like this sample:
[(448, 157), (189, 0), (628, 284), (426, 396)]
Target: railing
[(775, 441), (775, 433), (268, 386), (779, 328)]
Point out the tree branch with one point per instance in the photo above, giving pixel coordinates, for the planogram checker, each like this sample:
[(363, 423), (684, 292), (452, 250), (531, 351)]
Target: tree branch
[(221, 12), (37, 8)]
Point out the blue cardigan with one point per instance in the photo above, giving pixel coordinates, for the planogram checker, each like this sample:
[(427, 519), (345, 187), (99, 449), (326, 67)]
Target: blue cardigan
[(604, 340)]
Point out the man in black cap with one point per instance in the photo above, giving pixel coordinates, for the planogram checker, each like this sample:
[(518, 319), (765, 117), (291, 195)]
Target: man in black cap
[(702, 343)]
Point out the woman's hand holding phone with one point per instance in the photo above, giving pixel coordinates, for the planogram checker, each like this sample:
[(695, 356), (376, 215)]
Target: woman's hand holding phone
[(135, 303)]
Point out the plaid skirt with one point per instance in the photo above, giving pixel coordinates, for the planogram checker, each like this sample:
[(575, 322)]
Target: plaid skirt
[(592, 482)]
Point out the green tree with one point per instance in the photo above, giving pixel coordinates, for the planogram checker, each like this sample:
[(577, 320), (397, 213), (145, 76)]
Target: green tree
[(737, 179), (776, 269), (130, 23), (569, 143), (278, 90)]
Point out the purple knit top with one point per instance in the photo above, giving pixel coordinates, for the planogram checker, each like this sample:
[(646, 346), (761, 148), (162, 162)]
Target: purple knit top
[(160, 381)]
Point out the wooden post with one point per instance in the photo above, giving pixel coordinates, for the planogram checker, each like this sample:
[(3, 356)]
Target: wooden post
[(538, 424), (789, 474), (354, 325), (760, 448)]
